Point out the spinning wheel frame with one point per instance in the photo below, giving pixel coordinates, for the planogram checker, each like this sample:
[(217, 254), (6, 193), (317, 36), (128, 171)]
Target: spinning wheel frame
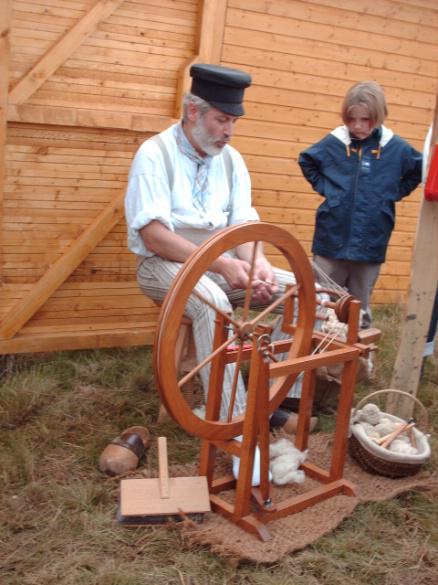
[(172, 312)]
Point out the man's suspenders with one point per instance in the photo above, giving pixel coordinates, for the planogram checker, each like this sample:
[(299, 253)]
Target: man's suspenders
[(169, 168)]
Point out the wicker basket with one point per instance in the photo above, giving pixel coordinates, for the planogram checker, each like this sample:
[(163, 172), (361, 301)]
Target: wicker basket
[(376, 459)]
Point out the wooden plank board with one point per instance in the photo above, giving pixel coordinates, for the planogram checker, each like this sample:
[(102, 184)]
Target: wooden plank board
[(79, 289), (147, 13), (87, 315), (75, 327), (89, 117), (99, 140), (112, 90), (150, 32), (161, 106), (66, 8), (142, 49)]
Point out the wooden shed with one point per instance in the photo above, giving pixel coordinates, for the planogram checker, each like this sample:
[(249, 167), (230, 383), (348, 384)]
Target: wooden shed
[(84, 82)]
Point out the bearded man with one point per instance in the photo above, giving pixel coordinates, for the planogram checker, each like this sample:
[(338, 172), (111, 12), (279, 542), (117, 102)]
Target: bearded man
[(184, 185)]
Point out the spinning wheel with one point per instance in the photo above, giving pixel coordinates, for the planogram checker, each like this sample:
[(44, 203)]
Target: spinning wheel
[(172, 312), (273, 367)]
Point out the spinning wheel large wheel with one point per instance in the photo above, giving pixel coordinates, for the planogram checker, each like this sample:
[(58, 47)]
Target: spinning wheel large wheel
[(300, 297)]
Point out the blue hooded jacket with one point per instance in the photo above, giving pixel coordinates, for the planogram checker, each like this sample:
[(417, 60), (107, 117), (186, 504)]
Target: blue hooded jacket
[(360, 180)]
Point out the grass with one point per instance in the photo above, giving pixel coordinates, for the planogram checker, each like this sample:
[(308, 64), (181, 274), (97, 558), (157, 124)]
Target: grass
[(57, 413)]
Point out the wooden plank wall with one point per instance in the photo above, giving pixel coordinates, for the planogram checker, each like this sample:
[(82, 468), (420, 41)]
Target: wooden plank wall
[(89, 80), (303, 57)]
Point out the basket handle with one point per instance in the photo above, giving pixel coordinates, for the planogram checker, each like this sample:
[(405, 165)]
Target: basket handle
[(403, 393)]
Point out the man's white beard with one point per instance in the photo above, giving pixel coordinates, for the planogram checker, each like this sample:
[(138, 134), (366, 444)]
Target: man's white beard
[(204, 140)]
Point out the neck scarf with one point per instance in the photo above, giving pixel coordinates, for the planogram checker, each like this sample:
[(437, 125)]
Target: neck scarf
[(200, 191)]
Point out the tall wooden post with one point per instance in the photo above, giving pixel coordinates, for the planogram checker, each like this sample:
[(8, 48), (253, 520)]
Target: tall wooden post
[(211, 26), (5, 35), (424, 281)]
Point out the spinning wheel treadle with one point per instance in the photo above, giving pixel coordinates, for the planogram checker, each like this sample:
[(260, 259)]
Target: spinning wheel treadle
[(269, 380)]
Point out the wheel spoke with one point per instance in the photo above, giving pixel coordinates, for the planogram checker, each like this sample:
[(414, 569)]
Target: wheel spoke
[(224, 314), (248, 292), (274, 305), (207, 360)]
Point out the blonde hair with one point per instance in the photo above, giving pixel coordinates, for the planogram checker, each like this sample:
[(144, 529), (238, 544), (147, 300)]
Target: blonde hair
[(369, 94)]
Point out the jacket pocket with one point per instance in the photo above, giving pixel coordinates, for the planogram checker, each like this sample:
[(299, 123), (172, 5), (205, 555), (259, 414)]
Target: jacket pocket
[(331, 225), (330, 202), (379, 233)]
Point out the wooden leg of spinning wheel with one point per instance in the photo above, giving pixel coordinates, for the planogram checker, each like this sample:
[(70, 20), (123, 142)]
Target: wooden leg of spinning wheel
[(213, 405), (340, 439), (206, 461), (262, 495), (257, 384), (305, 410), (217, 368)]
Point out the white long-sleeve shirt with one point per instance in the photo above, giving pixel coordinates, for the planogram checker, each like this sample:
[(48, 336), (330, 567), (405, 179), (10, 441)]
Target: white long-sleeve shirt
[(150, 196)]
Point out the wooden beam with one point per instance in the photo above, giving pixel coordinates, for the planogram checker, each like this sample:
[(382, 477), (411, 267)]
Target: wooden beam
[(423, 284), (21, 312), (62, 340), (211, 31), (209, 45), (62, 50), (5, 34), (34, 114)]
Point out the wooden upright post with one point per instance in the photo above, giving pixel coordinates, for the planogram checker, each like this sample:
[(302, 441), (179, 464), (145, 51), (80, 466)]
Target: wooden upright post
[(211, 28), (5, 35), (424, 281)]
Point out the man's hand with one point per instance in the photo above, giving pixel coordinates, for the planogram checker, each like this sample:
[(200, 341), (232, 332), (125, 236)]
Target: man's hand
[(264, 284), (236, 273), (167, 244), (234, 270)]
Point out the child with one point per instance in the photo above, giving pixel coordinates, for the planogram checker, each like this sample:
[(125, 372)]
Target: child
[(361, 169)]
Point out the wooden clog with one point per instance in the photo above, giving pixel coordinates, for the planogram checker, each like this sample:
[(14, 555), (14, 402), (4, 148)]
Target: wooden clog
[(291, 425), (124, 453)]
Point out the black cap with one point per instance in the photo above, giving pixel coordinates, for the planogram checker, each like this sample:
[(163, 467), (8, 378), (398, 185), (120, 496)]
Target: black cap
[(221, 87)]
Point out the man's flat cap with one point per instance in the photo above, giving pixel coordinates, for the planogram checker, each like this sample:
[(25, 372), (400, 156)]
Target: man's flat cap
[(221, 87)]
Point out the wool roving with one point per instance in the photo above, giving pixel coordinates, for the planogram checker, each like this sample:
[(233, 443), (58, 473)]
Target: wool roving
[(285, 460)]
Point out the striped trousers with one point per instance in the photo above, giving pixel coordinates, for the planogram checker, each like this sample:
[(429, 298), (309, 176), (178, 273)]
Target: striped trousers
[(155, 276)]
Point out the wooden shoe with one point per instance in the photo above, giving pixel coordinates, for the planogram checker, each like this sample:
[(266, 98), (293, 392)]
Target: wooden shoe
[(290, 426), (123, 454), (288, 421)]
